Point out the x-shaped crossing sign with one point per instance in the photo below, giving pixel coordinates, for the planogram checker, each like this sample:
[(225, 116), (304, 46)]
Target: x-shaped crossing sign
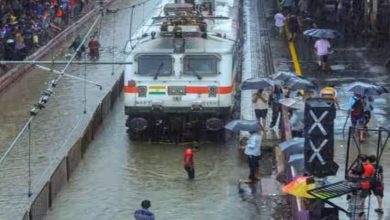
[(317, 122), (316, 151)]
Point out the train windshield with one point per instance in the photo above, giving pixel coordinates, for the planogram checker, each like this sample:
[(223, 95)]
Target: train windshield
[(155, 65), (200, 65)]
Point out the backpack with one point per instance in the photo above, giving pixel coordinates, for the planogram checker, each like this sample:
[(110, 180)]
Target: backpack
[(358, 107)]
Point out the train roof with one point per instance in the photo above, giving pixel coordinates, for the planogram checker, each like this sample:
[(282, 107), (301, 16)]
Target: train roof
[(210, 44), (206, 33)]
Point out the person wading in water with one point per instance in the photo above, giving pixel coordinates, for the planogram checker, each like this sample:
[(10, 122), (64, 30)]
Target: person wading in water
[(189, 163)]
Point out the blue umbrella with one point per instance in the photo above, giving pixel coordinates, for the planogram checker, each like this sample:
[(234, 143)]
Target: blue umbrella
[(297, 161), (293, 103), (256, 83), (243, 125), (284, 76), (363, 89), (322, 33), (300, 84), (292, 146)]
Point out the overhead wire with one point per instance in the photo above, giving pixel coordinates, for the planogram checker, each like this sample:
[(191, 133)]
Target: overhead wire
[(40, 104), (113, 45)]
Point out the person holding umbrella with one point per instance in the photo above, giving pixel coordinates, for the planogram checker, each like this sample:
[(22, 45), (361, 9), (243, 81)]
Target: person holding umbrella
[(276, 95), (368, 107), (356, 111), (322, 48), (260, 101), (253, 153)]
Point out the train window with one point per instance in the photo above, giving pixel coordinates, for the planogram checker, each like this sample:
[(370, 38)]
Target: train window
[(200, 65), (154, 65)]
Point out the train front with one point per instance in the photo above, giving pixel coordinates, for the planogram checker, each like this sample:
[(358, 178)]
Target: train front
[(180, 86)]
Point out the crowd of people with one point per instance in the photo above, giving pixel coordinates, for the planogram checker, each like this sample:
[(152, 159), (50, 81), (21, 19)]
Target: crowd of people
[(28, 24)]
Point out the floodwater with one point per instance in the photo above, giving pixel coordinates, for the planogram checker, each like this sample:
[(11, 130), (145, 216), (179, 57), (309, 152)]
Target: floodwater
[(57, 126), (116, 175)]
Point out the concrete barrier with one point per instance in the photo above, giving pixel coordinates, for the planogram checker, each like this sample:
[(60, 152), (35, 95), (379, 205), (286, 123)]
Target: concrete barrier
[(26, 216), (43, 200), (73, 157), (40, 204), (106, 104), (86, 139), (58, 179)]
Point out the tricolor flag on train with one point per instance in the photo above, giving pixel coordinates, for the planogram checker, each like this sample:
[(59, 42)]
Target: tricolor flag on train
[(157, 90)]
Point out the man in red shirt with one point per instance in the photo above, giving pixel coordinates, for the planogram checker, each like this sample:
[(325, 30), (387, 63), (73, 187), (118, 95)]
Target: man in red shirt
[(189, 163)]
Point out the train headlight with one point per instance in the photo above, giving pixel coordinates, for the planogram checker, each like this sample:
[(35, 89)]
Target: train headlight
[(142, 90), (213, 91)]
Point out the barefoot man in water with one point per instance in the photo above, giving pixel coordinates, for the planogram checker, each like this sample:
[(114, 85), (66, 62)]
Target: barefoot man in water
[(189, 163)]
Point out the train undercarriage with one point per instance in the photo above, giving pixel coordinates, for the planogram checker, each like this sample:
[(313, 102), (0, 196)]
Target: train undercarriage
[(177, 126)]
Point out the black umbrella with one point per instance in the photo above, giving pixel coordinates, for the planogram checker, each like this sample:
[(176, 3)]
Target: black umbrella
[(300, 84), (243, 125), (284, 76), (322, 33), (256, 83), (363, 88)]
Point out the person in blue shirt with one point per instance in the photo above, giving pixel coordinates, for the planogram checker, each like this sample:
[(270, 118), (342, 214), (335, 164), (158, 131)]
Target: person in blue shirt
[(144, 213), (253, 153), (356, 111)]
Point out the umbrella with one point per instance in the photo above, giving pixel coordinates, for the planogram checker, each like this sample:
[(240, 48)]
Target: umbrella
[(299, 187), (300, 84), (297, 161), (256, 83), (243, 125), (363, 88), (322, 33), (292, 103), (284, 76), (292, 146)]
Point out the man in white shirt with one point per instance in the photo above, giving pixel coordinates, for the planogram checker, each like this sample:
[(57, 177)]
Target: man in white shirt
[(279, 22), (323, 48)]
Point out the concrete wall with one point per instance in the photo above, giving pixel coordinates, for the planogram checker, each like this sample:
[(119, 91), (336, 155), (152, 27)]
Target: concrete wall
[(44, 199)]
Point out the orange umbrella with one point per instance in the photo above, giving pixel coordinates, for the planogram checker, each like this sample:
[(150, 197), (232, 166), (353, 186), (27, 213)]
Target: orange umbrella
[(299, 187)]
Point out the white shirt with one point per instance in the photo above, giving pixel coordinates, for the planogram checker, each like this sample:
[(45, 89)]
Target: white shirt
[(279, 19), (322, 47), (253, 146)]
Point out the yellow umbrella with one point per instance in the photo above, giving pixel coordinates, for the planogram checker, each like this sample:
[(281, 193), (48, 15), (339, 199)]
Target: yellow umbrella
[(299, 187)]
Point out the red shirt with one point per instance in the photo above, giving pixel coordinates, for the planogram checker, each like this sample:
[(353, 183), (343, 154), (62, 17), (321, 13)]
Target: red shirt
[(368, 172), (188, 158)]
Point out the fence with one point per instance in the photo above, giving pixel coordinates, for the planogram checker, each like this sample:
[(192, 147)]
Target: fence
[(43, 200)]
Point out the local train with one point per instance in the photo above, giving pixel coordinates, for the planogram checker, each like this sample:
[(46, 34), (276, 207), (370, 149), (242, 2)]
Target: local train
[(181, 84)]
